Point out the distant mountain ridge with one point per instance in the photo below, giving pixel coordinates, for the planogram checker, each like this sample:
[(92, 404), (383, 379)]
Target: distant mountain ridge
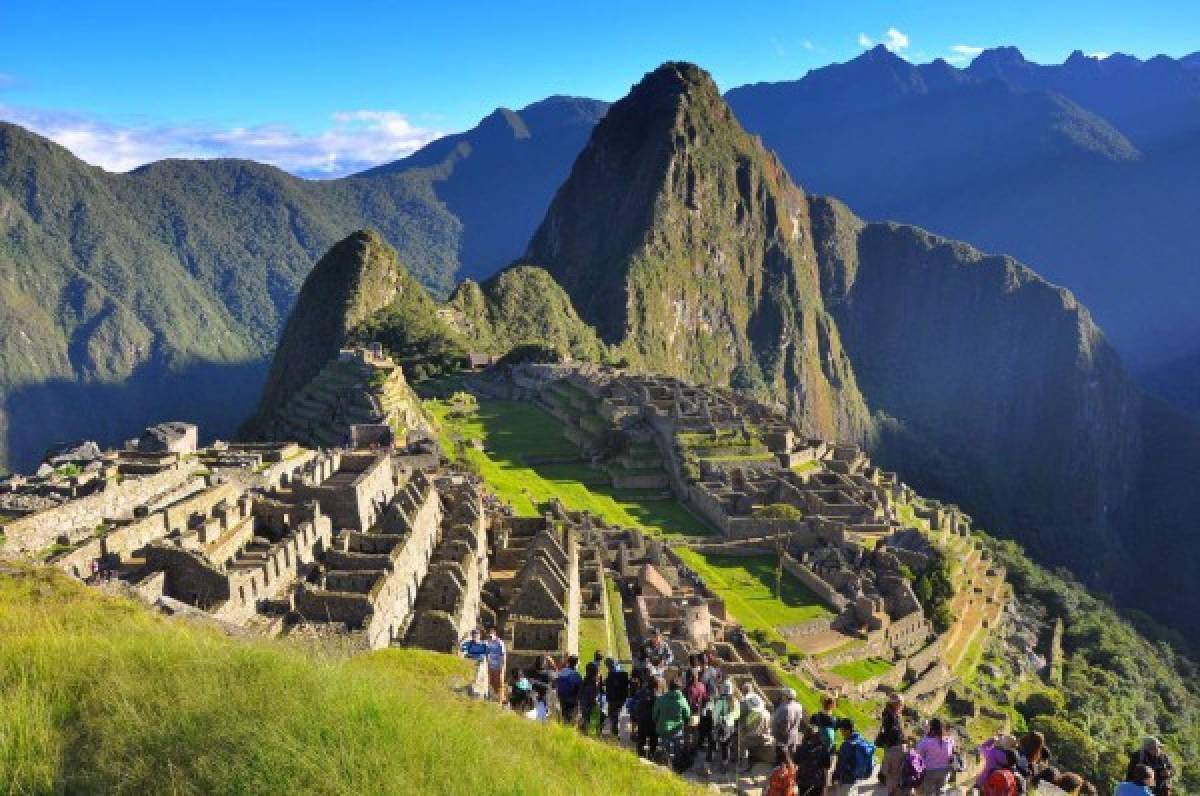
[(1083, 169), (131, 298)]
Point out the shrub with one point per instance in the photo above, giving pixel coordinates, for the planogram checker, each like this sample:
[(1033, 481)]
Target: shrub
[(778, 511)]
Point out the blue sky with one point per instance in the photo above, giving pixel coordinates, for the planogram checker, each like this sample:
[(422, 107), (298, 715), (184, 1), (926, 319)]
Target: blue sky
[(326, 88)]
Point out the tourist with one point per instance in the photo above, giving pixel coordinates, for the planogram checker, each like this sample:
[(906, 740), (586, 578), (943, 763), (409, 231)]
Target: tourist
[(786, 724), (645, 733), (497, 656), (1033, 756), (616, 689), (566, 685), (671, 715), (937, 751), (993, 754), (1154, 756), (754, 729), (541, 706), (826, 724), (855, 758), (521, 691), (783, 778), (544, 671), (710, 673), (1006, 779), (698, 696), (656, 652), (475, 650), (893, 741), (724, 712), (472, 648), (812, 762), (1139, 781), (590, 694)]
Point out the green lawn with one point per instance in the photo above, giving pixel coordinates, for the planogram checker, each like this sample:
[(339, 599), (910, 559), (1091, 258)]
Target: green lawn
[(512, 430), (747, 585), (863, 670), (616, 618), (593, 637), (742, 457), (807, 467)]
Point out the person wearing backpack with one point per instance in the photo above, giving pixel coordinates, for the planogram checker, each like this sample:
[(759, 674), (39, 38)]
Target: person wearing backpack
[(812, 762), (936, 751), (645, 731), (1139, 781), (1005, 780), (993, 753), (855, 759), (783, 777), (1153, 756), (826, 724)]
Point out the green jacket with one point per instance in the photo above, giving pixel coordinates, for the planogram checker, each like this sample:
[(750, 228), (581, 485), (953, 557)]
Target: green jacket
[(671, 713)]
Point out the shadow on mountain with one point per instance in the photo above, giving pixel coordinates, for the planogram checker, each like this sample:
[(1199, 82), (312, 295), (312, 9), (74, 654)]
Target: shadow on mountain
[(217, 396)]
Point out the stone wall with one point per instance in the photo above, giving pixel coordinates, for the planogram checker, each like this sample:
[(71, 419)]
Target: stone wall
[(815, 584), (78, 519)]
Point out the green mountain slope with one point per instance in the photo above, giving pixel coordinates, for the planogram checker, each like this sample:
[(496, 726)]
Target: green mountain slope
[(360, 293), (130, 298), (1002, 374), (686, 245)]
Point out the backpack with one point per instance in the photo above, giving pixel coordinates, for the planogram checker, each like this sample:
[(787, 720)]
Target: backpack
[(864, 758), (1001, 782), (829, 738), (783, 782), (913, 772)]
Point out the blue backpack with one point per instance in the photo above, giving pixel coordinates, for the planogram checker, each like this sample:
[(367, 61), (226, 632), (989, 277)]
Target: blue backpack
[(864, 758)]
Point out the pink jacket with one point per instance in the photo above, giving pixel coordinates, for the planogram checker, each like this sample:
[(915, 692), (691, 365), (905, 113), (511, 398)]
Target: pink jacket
[(936, 752)]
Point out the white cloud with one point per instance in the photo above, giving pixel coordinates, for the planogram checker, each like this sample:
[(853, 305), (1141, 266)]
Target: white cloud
[(895, 40), (963, 53), (808, 45), (1100, 56), (354, 140)]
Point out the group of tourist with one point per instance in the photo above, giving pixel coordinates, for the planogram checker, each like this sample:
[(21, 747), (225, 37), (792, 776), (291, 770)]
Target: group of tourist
[(674, 713)]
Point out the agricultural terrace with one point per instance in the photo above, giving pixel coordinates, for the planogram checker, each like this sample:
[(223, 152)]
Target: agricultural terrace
[(513, 433)]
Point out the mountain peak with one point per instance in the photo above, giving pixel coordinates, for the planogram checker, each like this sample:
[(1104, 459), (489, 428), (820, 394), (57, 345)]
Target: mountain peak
[(995, 61)]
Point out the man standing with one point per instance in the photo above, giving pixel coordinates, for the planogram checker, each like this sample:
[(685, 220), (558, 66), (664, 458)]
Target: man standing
[(473, 649), (567, 685), (656, 652), (754, 727), (616, 691), (892, 740), (787, 723), (1154, 757), (497, 656)]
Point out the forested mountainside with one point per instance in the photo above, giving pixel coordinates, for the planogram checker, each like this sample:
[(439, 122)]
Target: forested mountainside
[(1085, 170), (686, 245), (132, 298), (681, 242)]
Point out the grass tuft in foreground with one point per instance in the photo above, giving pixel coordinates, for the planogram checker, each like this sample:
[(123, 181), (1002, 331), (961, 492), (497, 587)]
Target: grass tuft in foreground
[(98, 695)]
